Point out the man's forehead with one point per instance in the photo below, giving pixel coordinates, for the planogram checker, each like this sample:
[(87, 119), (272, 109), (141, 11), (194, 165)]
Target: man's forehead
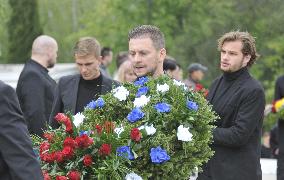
[(140, 43), (85, 59)]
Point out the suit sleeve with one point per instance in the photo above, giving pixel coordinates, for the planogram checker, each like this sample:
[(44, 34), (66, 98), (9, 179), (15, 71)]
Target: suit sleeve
[(16, 147), (277, 92), (57, 106), (249, 116), (33, 103)]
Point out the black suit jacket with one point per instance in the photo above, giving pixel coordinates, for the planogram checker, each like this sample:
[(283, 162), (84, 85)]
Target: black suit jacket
[(236, 140), (66, 95), (35, 91), (17, 159)]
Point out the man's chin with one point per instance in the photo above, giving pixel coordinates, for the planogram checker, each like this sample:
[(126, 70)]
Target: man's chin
[(140, 74)]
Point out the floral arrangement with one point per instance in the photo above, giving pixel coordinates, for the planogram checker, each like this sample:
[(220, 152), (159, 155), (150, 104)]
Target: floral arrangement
[(151, 129), (200, 88), (278, 107)]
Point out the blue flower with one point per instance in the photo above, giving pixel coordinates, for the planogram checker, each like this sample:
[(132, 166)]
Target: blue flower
[(141, 81), (192, 105), (142, 91), (124, 151), (135, 115), (82, 132), (159, 155), (100, 102), (163, 107), (92, 105)]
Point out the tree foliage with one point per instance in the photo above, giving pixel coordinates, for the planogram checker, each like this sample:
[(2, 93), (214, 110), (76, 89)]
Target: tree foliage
[(191, 28), (23, 28)]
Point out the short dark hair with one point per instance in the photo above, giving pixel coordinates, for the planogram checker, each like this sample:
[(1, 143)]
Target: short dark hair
[(105, 51), (121, 57), (150, 31), (170, 64)]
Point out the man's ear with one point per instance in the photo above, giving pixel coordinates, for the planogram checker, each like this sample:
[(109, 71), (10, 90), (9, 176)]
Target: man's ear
[(162, 54), (100, 59), (246, 59)]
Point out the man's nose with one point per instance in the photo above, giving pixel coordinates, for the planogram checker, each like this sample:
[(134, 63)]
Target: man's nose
[(136, 58), (224, 56), (84, 69)]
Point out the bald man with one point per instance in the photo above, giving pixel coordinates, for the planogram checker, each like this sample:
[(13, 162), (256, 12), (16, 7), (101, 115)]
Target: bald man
[(35, 88)]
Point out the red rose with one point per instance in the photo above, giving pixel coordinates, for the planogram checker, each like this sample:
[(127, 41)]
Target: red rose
[(68, 126), (84, 141), (135, 134), (68, 152), (58, 156), (44, 147), (87, 160), (61, 178), (46, 157), (61, 117), (46, 175), (74, 175), (205, 93), (48, 136), (198, 87), (69, 142), (105, 150), (99, 129)]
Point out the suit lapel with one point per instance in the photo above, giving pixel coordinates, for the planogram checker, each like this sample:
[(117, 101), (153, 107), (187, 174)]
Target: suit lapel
[(73, 89), (213, 90), (103, 85)]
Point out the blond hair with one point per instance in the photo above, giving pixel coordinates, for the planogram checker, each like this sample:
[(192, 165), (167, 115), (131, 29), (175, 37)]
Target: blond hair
[(122, 69), (87, 46)]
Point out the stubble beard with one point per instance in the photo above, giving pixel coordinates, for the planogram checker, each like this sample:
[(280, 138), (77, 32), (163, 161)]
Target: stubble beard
[(150, 72)]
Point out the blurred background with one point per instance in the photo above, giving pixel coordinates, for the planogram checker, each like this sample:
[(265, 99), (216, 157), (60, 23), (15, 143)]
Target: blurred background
[(191, 28)]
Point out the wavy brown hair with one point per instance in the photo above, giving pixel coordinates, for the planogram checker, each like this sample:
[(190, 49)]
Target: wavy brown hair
[(247, 40)]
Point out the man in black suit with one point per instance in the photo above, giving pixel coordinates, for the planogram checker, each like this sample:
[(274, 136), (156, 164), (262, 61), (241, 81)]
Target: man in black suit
[(17, 159), (74, 92), (239, 101), (35, 88), (277, 133)]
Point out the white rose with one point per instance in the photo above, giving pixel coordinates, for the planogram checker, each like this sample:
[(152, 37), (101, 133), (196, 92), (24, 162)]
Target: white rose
[(183, 134), (150, 130), (78, 119), (141, 101), (119, 130), (163, 88), (179, 83), (133, 176), (121, 93)]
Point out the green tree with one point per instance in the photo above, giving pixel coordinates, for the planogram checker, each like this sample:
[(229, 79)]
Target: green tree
[(4, 13), (23, 28)]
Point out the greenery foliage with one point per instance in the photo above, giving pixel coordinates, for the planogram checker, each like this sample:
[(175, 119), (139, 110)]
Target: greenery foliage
[(23, 28)]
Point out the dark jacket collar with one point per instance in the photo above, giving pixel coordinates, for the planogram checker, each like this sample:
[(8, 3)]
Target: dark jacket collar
[(36, 64), (230, 76)]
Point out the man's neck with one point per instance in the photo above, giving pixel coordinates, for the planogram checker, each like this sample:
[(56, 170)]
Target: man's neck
[(39, 61)]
